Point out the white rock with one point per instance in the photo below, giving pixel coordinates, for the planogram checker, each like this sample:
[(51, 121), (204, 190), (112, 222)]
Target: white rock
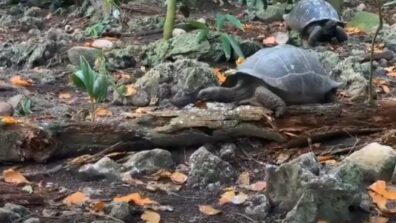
[(202, 20), (376, 161), (361, 7), (102, 44), (178, 32)]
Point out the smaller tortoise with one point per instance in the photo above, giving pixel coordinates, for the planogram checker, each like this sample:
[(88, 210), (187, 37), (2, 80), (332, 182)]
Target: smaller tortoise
[(275, 77), (317, 20)]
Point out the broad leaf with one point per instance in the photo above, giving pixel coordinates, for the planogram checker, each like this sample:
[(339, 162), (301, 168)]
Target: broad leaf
[(391, 3), (226, 46), (88, 75), (235, 46), (220, 20), (235, 21), (202, 35), (78, 79), (197, 25), (365, 21), (100, 88)]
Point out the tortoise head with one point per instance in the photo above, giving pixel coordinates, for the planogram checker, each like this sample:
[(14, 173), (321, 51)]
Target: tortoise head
[(219, 94)]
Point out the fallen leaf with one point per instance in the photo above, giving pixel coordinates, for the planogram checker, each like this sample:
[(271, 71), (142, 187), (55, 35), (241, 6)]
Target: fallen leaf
[(167, 187), (282, 157), (161, 174), (383, 196), (385, 88), (208, 210), (365, 21), (64, 95), (102, 112), (150, 217), (18, 81), (8, 120), (232, 197), (353, 31), (258, 186), (382, 189), (269, 41), (98, 207), (130, 90), (219, 75), (15, 177), (77, 198), (239, 61), (178, 178), (244, 179), (240, 198), (135, 198), (325, 158), (378, 219), (127, 178)]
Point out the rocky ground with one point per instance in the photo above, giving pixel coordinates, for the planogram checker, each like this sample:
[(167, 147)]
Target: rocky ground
[(240, 180)]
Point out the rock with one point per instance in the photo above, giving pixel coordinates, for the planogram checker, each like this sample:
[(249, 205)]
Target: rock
[(6, 109), (249, 47), (104, 168), (8, 216), (258, 207), (15, 100), (140, 99), (16, 208), (41, 53), (32, 220), (178, 32), (308, 194), (102, 44), (184, 46), (145, 23), (361, 7), (122, 211), (376, 161), (33, 11), (206, 168), (388, 35), (149, 161), (201, 20), (76, 52), (271, 14), (121, 58), (177, 79), (228, 152)]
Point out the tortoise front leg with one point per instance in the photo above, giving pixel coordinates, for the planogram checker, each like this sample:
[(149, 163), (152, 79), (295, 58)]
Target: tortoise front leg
[(314, 34), (340, 34), (268, 99)]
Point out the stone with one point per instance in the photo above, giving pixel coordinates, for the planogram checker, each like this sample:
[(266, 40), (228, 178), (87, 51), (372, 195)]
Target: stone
[(376, 161), (33, 11), (361, 7), (228, 152), (308, 194), (177, 79), (207, 168), (89, 53), (140, 99), (8, 216), (102, 44), (258, 207), (6, 109), (178, 32), (271, 14), (104, 168), (145, 23), (121, 58), (16, 208), (32, 220), (149, 161), (122, 211)]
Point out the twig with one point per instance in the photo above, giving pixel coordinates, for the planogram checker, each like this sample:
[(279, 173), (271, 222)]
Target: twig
[(379, 7), (246, 217)]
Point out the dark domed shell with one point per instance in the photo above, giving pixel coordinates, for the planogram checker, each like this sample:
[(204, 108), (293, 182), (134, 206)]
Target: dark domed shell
[(307, 11), (292, 71)]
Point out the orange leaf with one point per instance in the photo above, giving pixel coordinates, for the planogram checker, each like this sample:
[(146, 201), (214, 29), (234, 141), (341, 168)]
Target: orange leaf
[(244, 179), (150, 217), (178, 178), (17, 80), (227, 197), (380, 188), (219, 75), (208, 210), (102, 112), (130, 90), (15, 177), (135, 198), (258, 186), (269, 41), (385, 89), (98, 207), (162, 174), (239, 61), (64, 95), (378, 219), (77, 198), (8, 120)]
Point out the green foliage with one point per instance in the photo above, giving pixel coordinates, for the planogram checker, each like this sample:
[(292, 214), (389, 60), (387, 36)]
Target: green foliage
[(93, 83), (222, 19), (390, 3), (95, 30), (230, 43), (24, 107), (366, 21)]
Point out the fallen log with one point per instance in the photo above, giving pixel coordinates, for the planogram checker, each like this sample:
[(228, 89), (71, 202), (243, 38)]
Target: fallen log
[(188, 127)]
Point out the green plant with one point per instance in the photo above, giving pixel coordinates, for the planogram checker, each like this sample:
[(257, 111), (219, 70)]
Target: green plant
[(24, 107), (169, 19), (93, 83), (95, 30)]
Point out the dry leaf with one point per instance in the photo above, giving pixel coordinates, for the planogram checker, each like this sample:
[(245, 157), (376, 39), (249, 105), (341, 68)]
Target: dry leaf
[(381, 188), (64, 95), (15, 177), (151, 217), (385, 89), (18, 81), (383, 196), (102, 112), (219, 75), (282, 157), (232, 197), (378, 219), (8, 120), (208, 210), (135, 198), (240, 198), (239, 61), (244, 179), (269, 41), (130, 90), (98, 207), (178, 178), (154, 186), (353, 31), (127, 178), (258, 186), (161, 174), (77, 198)]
